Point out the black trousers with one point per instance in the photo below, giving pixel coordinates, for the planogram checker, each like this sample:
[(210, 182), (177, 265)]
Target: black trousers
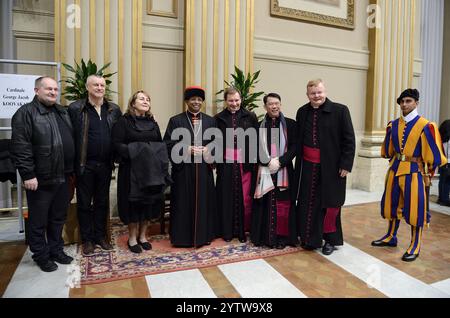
[(47, 212), (93, 201)]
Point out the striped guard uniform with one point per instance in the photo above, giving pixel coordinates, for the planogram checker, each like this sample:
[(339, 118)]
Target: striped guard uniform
[(405, 193)]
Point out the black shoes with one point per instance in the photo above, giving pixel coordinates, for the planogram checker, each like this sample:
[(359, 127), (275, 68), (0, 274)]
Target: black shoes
[(379, 243), (135, 248), (243, 240), (62, 258), (307, 247), (88, 248), (145, 245), (409, 257), (327, 249), (47, 266), (443, 203), (280, 246), (105, 245)]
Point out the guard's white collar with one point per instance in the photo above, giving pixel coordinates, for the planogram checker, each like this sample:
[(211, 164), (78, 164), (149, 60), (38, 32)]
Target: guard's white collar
[(411, 115)]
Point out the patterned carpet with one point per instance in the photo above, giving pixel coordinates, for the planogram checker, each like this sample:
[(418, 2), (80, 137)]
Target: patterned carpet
[(121, 263)]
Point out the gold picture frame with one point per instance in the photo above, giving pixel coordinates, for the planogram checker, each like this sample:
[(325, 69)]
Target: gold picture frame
[(327, 12), (152, 10)]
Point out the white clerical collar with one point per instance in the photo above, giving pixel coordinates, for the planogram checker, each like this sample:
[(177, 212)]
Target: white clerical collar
[(411, 115)]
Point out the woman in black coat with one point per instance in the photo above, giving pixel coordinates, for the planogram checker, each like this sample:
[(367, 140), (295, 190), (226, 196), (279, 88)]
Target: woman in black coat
[(136, 125)]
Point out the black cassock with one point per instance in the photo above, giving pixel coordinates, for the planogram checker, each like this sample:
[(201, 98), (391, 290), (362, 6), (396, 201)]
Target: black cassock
[(321, 194), (268, 226), (235, 181), (193, 198)]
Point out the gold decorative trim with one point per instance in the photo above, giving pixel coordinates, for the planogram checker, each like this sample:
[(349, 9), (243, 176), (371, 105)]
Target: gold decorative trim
[(252, 36), (78, 36), (405, 75), (120, 8), (237, 44), (133, 46), (249, 37), (136, 49), (372, 79), (215, 55), (391, 107), (187, 36), (139, 38), (107, 33), (390, 63), (226, 41), (92, 32), (204, 42), (57, 30), (171, 14), (63, 45), (400, 54), (384, 108), (290, 13), (189, 60), (60, 37), (412, 20)]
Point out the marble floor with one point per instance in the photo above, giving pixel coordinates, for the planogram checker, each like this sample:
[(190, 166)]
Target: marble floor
[(355, 270)]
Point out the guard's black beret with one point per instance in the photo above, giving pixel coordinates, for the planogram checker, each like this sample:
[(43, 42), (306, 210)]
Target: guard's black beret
[(410, 92)]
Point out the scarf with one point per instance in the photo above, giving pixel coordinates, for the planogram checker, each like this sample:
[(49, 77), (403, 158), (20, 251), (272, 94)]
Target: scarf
[(264, 183)]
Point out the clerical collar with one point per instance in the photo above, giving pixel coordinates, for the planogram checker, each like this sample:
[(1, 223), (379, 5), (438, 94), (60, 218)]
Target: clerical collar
[(276, 119), (235, 112), (411, 115), (193, 115)]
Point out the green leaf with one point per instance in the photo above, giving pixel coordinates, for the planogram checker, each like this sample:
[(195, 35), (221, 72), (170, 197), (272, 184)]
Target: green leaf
[(244, 84), (75, 87), (100, 71), (68, 67)]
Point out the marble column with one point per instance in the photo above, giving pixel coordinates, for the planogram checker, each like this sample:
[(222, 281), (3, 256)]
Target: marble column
[(391, 70), (218, 36), (103, 31)]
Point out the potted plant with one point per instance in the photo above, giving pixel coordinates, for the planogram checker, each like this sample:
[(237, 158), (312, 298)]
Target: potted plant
[(76, 85), (244, 84)]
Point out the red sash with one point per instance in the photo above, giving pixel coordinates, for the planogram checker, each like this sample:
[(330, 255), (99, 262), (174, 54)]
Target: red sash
[(311, 154)]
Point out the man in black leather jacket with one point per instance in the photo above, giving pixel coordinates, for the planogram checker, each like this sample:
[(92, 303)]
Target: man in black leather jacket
[(43, 152), (93, 119)]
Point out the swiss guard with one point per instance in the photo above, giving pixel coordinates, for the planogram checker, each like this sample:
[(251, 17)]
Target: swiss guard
[(414, 148)]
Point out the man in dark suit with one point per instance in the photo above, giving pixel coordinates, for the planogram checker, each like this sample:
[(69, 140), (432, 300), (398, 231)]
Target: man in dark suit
[(43, 152), (325, 154)]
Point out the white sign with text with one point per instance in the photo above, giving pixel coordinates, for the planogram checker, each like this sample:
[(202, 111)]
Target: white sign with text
[(15, 91)]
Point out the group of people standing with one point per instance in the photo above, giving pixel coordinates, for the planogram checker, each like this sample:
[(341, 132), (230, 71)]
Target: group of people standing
[(258, 195)]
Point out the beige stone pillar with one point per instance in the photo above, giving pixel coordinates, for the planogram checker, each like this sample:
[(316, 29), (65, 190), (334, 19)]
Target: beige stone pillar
[(391, 64), (107, 31), (218, 36)]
